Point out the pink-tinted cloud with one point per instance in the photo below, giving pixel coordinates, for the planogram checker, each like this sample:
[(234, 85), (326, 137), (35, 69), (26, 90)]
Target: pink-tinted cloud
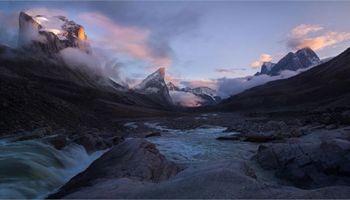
[(200, 83), (229, 72), (173, 79), (301, 37), (304, 29), (46, 11), (128, 40), (186, 99), (320, 42), (263, 58)]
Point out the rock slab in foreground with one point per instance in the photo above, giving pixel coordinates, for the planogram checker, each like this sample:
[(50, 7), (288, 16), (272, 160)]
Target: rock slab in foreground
[(134, 159), (309, 165), (135, 169)]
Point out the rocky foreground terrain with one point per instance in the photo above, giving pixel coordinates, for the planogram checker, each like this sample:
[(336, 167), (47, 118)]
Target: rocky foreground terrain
[(284, 139), (286, 159)]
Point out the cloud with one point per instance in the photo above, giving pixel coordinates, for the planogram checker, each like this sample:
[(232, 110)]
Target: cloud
[(301, 37), (127, 40), (263, 58), (77, 58), (231, 72), (9, 28), (46, 11), (304, 29), (186, 99), (230, 86), (319, 42), (199, 83)]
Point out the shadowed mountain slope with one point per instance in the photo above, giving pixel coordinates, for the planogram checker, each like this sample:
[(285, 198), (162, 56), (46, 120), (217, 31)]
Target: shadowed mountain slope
[(37, 91), (324, 86)]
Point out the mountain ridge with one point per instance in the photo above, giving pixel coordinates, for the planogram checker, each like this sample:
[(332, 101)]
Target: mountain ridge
[(301, 59), (325, 85), (51, 34), (154, 87)]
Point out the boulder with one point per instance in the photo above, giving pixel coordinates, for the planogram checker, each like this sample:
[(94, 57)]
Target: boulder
[(346, 117), (58, 141), (94, 139), (135, 159), (252, 137), (230, 137), (152, 134), (228, 179), (308, 165), (91, 142)]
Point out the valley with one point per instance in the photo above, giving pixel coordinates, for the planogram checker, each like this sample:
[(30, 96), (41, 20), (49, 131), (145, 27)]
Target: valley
[(74, 126)]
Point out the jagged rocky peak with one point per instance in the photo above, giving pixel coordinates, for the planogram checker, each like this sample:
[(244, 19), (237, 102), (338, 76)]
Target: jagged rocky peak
[(51, 34), (301, 59), (155, 80), (266, 67), (308, 57), (154, 85)]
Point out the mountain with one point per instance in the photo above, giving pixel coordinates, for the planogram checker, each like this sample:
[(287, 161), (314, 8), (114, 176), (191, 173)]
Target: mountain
[(154, 87), (39, 89), (50, 34), (267, 67), (172, 87), (323, 86), (301, 59), (208, 95)]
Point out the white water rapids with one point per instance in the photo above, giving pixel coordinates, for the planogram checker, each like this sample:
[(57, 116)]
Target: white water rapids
[(32, 169), (199, 144)]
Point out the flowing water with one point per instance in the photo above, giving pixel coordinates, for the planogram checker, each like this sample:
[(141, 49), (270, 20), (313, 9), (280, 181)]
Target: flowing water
[(200, 144), (33, 169)]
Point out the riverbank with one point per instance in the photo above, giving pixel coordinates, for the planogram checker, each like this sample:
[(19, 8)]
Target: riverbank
[(192, 163)]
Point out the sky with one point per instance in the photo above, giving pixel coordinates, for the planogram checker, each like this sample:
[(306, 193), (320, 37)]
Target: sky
[(199, 42)]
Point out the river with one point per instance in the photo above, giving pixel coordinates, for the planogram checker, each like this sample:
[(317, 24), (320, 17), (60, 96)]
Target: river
[(32, 169), (199, 144)]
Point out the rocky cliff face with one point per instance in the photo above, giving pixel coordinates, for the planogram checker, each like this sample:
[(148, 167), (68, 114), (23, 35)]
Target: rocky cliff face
[(324, 86), (301, 59), (154, 86), (50, 34)]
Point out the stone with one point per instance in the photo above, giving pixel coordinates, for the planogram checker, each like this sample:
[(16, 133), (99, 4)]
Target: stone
[(252, 137), (229, 179), (346, 117), (135, 159), (152, 134), (308, 165), (91, 142), (58, 141)]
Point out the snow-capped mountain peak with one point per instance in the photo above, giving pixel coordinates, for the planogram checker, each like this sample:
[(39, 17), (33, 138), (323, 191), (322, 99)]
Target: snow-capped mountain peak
[(303, 58), (207, 95), (266, 67), (308, 56), (204, 90), (154, 86), (50, 34), (156, 78)]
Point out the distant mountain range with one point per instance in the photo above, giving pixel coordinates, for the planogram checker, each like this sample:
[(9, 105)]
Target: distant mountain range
[(66, 88), (154, 87), (323, 86), (301, 59), (208, 95)]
